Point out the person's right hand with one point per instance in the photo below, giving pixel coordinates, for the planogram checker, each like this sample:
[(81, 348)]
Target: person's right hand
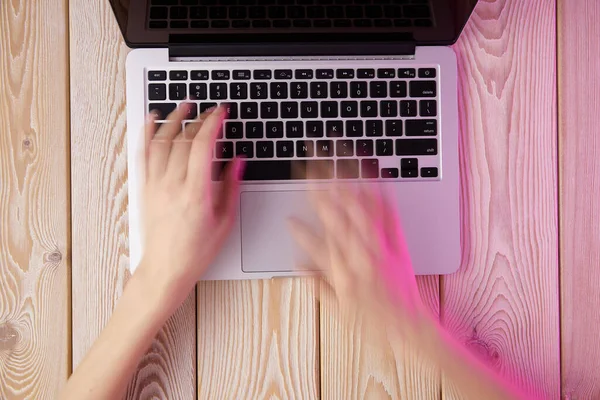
[(363, 254)]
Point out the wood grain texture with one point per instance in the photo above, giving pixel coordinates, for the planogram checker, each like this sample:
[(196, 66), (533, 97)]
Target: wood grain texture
[(258, 340), (579, 164), (34, 199), (99, 207), (358, 362), (503, 303)]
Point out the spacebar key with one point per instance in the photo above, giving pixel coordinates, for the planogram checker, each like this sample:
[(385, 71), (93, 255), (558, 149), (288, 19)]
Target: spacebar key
[(277, 170)]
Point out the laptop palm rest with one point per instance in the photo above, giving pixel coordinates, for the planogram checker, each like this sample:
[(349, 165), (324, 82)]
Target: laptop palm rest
[(267, 245)]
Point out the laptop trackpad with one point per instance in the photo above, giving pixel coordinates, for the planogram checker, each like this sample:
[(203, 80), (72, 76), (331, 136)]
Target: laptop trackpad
[(267, 245)]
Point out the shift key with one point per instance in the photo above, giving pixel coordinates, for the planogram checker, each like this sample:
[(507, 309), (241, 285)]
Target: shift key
[(421, 127), (416, 147)]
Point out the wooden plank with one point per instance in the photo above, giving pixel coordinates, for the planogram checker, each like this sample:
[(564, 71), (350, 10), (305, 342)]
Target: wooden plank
[(99, 207), (503, 303), (360, 363), (258, 340), (34, 199), (579, 152)]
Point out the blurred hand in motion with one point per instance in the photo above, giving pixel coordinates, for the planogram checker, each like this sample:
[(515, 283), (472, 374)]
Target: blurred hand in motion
[(185, 219), (362, 253)]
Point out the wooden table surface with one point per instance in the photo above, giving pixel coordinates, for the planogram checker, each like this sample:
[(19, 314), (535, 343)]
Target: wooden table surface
[(527, 296)]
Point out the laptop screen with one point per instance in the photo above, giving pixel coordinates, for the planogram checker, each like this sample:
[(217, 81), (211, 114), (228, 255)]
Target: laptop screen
[(156, 23)]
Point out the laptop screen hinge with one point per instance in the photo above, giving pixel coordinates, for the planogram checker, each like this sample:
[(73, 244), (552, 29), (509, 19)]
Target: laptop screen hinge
[(253, 47)]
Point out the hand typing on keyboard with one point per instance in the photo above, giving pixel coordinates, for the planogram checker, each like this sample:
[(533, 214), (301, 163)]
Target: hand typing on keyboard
[(185, 220)]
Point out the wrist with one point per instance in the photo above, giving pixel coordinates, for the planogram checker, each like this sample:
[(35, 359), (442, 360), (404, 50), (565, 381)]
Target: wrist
[(161, 290)]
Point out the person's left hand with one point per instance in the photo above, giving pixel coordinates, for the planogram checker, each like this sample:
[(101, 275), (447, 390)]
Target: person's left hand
[(185, 220)]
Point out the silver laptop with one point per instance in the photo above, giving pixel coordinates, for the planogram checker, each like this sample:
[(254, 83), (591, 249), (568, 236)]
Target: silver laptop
[(369, 85)]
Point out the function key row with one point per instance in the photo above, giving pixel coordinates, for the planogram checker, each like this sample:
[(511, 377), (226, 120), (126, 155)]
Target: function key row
[(282, 169), (283, 74), (294, 90)]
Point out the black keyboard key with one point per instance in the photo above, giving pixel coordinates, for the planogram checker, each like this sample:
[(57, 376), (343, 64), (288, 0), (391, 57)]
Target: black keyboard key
[(264, 149), (342, 23), (423, 22), (285, 148), (329, 109), (162, 109), (157, 75), (237, 13), (378, 89), (358, 89), (220, 75), (384, 147), (192, 111), (427, 72), (178, 75), (232, 110), (258, 90), (249, 110), (224, 150), (383, 23), (276, 170), (324, 74), (299, 90), (324, 148), (301, 23), (421, 127), (373, 12), (206, 106), (198, 91), (314, 129), (289, 109), (279, 90), (408, 108), (157, 91), (158, 24), (304, 74), (389, 173), (409, 163), (402, 23), (199, 75), (322, 23), (386, 73), (393, 127), (339, 90), (198, 12), (334, 12), (428, 108), (416, 11), (202, 24), (409, 173), (416, 147), (364, 148), (261, 23), (344, 148), (238, 91), (314, 12), (354, 12), (388, 108), (398, 89), (422, 89), (178, 13), (257, 12), (282, 23), (274, 130), (429, 172), (283, 74), (254, 130), (295, 12), (276, 12), (407, 73), (344, 73), (369, 168), (269, 110), (309, 109), (318, 90), (294, 129), (354, 128), (368, 108), (219, 23), (262, 74), (177, 91), (334, 128), (159, 12), (349, 109), (218, 12), (245, 149), (234, 130), (363, 23), (304, 148), (241, 74), (218, 91), (178, 24), (347, 169), (366, 73), (374, 128)]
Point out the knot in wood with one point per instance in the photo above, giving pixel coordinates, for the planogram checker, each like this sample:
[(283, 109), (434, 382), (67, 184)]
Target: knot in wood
[(54, 257)]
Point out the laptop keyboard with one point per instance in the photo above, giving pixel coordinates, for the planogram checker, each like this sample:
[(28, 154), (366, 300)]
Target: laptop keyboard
[(359, 123), (245, 14)]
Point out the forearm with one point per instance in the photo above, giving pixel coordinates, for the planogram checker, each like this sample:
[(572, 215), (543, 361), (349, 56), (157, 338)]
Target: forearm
[(140, 313), (473, 378)]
